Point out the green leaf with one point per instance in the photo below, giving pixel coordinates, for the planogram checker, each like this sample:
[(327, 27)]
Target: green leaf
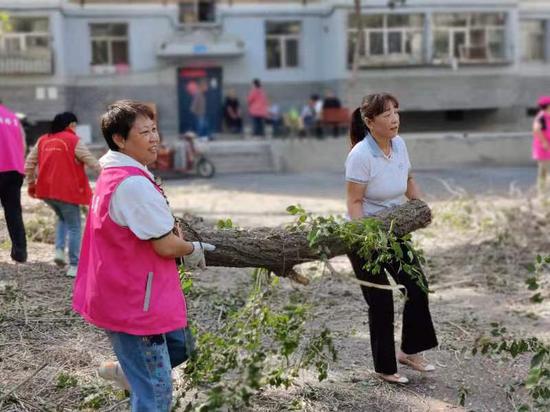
[(292, 209), (537, 359), (536, 298)]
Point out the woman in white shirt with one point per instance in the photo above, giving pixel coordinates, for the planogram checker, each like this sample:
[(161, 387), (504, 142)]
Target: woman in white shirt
[(378, 177)]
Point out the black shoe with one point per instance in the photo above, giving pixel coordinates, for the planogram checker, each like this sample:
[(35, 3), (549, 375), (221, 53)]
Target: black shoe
[(19, 255), (20, 259)]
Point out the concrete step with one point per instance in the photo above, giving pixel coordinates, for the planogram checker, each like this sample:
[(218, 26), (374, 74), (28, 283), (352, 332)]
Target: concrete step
[(240, 156)]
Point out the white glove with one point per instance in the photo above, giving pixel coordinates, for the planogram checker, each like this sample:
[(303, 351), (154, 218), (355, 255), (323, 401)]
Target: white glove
[(196, 257)]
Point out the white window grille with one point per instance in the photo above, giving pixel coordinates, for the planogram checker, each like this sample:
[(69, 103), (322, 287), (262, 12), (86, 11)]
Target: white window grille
[(388, 39), (469, 37), (109, 43), (282, 44)]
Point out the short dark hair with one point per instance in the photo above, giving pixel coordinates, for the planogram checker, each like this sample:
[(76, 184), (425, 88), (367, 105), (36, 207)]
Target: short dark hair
[(120, 117), (61, 121), (257, 82)]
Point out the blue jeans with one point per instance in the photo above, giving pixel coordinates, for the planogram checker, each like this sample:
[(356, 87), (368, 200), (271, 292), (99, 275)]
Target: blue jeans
[(202, 127), (68, 222), (258, 126), (147, 362)]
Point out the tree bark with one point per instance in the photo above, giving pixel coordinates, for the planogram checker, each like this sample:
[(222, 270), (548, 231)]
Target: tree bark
[(279, 250)]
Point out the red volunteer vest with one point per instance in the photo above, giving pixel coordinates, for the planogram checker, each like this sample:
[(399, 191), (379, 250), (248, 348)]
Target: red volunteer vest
[(60, 175)]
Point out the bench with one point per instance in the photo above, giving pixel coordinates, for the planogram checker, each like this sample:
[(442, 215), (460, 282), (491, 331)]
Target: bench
[(335, 117)]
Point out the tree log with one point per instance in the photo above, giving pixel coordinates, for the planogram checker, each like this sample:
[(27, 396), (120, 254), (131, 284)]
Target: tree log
[(279, 250)]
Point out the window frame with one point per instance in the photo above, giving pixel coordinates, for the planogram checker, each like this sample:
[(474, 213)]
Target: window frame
[(531, 36), (467, 30), (109, 39), (282, 39), (388, 58), (22, 36), (195, 12)]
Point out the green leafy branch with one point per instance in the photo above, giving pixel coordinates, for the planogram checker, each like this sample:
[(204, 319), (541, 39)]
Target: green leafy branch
[(379, 247), (256, 347), (534, 280), (537, 382)]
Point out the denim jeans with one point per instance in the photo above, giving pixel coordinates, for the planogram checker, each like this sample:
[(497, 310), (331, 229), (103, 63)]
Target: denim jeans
[(147, 362), (68, 222), (202, 127), (258, 126)]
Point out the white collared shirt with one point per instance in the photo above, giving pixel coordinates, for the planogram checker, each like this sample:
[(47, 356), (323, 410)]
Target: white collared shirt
[(136, 203), (385, 177)]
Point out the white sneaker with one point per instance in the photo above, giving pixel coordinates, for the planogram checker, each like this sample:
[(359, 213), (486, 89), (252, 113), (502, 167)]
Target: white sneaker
[(112, 371), (59, 258), (71, 271)]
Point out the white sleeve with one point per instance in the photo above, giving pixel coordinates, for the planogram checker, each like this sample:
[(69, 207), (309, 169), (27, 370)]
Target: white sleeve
[(138, 205), (358, 168), (406, 154)]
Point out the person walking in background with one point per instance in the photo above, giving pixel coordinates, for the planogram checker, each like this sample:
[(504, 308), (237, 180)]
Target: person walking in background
[(378, 177), (258, 107), (198, 108), (127, 282), (232, 112), (55, 173), (541, 144), (12, 160)]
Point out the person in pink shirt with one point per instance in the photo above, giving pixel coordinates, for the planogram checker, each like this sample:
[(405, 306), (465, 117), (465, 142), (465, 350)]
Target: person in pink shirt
[(12, 160), (541, 143), (258, 107), (127, 281)]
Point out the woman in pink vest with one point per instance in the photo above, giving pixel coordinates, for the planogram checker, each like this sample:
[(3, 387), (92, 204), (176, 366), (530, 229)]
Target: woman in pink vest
[(258, 105), (12, 157), (127, 281), (59, 158), (541, 143)]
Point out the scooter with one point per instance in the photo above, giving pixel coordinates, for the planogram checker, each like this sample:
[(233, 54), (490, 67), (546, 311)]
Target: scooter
[(186, 156)]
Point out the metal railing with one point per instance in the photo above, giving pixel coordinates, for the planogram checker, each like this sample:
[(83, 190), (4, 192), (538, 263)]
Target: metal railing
[(26, 62)]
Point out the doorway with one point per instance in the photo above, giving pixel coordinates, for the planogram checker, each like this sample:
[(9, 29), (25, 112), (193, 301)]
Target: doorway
[(189, 80)]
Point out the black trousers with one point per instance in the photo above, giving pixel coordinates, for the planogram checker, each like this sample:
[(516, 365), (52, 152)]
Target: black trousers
[(418, 332), (10, 196)]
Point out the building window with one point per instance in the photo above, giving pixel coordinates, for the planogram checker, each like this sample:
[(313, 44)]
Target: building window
[(388, 39), (469, 37), (532, 40), (28, 35), (197, 11), (282, 44), (110, 45)]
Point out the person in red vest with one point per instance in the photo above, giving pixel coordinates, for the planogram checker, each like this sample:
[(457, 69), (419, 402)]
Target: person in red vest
[(61, 182), (12, 158)]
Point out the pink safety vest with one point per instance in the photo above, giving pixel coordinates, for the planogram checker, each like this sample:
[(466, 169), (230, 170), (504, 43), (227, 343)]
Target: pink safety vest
[(538, 151), (122, 284), (12, 152), (258, 104)]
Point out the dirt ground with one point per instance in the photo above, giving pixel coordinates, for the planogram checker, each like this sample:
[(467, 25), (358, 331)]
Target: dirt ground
[(477, 248)]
